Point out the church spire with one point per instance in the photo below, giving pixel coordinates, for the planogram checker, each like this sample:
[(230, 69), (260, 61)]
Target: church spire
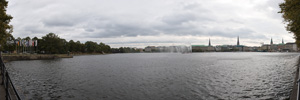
[(238, 40), (209, 42), (271, 41), (282, 41)]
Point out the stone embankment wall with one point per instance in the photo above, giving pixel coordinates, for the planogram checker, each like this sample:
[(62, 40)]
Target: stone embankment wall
[(7, 58)]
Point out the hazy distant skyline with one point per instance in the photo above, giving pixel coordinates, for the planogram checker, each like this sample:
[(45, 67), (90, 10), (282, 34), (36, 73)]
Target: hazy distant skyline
[(139, 23)]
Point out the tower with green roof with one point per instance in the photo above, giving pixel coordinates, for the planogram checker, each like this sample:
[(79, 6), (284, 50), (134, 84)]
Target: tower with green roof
[(271, 41), (209, 42), (238, 41)]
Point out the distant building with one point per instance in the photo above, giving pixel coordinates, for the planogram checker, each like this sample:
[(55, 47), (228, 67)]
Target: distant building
[(238, 41), (290, 47), (203, 48), (149, 48), (266, 47), (281, 47), (238, 47), (209, 44), (182, 48), (271, 43), (224, 48), (253, 49)]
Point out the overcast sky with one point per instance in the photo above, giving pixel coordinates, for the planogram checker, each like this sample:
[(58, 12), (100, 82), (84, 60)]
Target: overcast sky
[(139, 23)]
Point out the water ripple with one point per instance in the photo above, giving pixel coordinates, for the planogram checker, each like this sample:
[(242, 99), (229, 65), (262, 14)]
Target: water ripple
[(158, 76)]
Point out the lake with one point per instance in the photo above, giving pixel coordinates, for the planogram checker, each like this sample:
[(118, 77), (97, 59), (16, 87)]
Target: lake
[(157, 76)]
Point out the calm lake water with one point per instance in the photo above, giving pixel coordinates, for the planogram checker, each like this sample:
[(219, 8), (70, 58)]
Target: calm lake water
[(157, 76)]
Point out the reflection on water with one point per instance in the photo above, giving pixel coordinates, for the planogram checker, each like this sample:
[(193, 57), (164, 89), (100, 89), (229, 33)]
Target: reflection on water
[(158, 76)]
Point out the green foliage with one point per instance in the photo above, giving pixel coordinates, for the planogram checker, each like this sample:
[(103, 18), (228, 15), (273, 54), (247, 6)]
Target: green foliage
[(124, 50), (104, 48), (27, 38), (53, 44), (35, 38), (291, 15), (72, 46), (5, 28), (91, 46), (9, 46), (197, 50), (80, 47)]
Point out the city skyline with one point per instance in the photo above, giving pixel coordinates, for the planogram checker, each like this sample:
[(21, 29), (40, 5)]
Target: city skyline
[(139, 23), (210, 43)]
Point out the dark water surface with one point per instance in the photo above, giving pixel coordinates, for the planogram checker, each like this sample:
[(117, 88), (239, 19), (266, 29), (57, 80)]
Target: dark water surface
[(157, 76)]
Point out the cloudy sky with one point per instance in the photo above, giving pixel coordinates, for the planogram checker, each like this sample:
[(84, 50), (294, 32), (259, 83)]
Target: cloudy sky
[(139, 23)]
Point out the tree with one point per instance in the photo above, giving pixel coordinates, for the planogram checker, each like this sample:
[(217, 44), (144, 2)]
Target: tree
[(91, 46), (53, 44), (35, 38), (5, 28), (10, 44), (121, 49), (72, 46), (79, 47), (104, 48), (27, 38), (291, 15), (66, 46)]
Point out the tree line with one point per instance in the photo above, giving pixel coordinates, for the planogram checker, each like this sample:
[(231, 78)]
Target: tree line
[(53, 44), (125, 50)]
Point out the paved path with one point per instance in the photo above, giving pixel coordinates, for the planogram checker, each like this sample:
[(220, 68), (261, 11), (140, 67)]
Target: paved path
[(293, 95)]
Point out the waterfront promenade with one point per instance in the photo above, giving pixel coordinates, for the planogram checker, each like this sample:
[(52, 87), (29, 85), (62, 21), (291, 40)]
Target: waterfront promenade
[(293, 95), (7, 89)]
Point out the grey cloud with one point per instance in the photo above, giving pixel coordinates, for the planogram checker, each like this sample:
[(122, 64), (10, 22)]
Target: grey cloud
[(106, 27), (241, 32), (33, 29), (115, 29), (54, 22), (65, 18), (89, 30), (171, 24), (191, 6), (178, 19), (127, 30), (145, 42), (57, 21), (235, 21)]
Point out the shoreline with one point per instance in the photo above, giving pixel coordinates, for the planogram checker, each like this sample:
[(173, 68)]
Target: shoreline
[(20, 57), (82, 54)]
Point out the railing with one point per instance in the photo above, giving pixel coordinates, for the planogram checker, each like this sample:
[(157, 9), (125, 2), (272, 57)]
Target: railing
[(10, 90), (298, 93), (298, 82)]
